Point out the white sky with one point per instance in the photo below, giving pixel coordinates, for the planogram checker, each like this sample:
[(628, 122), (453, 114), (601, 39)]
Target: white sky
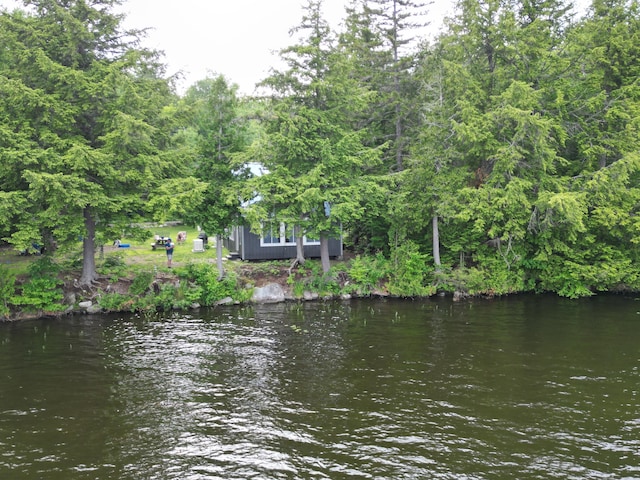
[(236, 38)]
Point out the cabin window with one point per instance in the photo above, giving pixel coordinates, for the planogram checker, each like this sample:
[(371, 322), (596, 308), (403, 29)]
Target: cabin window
[(284, 234), (289, 234), (271, 234), (311, 241)]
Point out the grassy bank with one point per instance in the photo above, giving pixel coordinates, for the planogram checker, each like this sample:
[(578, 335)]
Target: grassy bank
[(137, 279)]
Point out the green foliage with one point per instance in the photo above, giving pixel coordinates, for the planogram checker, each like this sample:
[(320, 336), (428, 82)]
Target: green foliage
[(297, 287), (114, 261), (89, 106), (605, 268), (205, 276), (114, 266), (571, 280), (141, 283), (269, 267), (411, 272), (366, 273), (168, 297), (115, 302), (324, 284), (7, 290), (164, 297), (492, 277), (315, 157), (42, 292), (515, 133)]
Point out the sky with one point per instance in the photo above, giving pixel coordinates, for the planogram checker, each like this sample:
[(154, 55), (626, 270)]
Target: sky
[(236, 38)]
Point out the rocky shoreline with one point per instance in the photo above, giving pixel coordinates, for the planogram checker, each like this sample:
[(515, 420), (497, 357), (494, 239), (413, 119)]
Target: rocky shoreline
[(272, 292)]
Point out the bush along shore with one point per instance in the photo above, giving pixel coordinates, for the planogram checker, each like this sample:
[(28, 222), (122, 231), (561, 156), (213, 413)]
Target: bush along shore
[(51, 288)]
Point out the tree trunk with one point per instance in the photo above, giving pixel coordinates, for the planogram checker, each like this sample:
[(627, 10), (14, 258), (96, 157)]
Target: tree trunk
[(436, 242), (88, 249), (399, 139), (324, 253), (50, 244), (299, 245), (219, 256)]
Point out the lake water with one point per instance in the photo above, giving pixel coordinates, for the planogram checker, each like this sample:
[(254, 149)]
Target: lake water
[(517, 388)]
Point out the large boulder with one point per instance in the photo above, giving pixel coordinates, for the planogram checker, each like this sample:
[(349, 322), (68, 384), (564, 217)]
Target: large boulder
[(271, 293)]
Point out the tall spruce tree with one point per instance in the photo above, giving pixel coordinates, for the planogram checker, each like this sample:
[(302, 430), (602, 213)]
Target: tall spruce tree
[(389, 27), (220, 134), (314, 156), (380, 39), (590, 237), (80, 100), (436, 171)]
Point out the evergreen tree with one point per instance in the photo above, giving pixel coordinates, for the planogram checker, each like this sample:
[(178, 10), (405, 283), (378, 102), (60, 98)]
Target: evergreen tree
[(220, 134), (587, 234), (379, 32), (82, 102), (314, 157)]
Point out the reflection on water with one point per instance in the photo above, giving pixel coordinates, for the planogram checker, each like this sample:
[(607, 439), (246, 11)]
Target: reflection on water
[(526, 387)]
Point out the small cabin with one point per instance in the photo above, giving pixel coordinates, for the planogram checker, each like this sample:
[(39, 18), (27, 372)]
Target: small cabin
[(275, 244)]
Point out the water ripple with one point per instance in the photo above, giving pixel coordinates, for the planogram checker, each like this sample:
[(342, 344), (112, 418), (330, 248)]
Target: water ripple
[(357, 390)]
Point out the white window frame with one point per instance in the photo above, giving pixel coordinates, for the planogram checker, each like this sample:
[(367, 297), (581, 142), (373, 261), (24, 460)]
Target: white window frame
[(283, 239), (264, 243)]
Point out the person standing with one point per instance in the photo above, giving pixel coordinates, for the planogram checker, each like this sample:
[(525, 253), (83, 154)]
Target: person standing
[(168, 246)]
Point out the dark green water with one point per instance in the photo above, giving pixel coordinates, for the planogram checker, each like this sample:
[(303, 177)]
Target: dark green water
[(518, 388)]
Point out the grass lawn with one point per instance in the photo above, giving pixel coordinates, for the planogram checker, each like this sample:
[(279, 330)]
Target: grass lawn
[(14, 262), (142, 253), (139, 254)]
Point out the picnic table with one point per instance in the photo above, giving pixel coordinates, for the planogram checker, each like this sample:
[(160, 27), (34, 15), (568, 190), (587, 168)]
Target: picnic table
[(159, 241)]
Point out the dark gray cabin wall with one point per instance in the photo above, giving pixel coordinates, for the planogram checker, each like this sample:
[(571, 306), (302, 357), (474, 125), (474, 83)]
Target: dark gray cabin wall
[(252, 250)]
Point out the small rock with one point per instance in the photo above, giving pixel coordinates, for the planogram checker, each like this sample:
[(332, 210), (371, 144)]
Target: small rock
[(458, 295), (94, 309), (310, 296)]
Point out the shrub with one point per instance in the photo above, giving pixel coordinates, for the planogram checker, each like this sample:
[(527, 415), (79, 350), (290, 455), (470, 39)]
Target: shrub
[(114, 260), (297, 286), (42, 292), (169, 297), (492, 277), (411, 272), (114, 265), (7, 290), (205, 276), (115, 302), (141, 283), (366, 273), (323, 284)]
